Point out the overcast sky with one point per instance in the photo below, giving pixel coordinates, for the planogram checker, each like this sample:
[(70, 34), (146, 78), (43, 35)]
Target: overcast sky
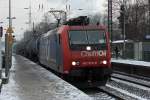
[(21, 14)]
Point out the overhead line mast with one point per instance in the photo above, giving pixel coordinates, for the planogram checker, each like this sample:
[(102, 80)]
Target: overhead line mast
[(30, 14), (110, 24), (68, 7), (149, 15)]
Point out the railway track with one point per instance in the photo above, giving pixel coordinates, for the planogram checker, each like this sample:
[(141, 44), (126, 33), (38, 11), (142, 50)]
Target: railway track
[(111, 91), (132, 75), (99, 94), (107, 93), (122, 87), (135, 87), (143, 81)]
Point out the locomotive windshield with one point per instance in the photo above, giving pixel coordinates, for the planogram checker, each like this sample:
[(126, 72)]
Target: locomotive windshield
[(87, 37), (96, 37)]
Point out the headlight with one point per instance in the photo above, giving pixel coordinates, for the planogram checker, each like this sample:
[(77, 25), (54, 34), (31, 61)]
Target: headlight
[(88, 48), (74, 63), (104, 62)]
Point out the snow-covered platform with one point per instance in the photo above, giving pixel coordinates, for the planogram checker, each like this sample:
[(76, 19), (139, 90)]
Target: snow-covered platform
[(29, 81), (131, 62)]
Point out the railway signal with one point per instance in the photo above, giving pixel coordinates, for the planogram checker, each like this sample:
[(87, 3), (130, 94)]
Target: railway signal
[(121, 17)]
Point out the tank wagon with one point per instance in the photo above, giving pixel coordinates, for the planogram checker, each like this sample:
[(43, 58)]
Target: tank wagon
[(32, 49)]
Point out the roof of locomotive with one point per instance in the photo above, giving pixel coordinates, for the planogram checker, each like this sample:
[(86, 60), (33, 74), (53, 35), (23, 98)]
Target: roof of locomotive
[(81, 27), (87, 27), (79, 23)]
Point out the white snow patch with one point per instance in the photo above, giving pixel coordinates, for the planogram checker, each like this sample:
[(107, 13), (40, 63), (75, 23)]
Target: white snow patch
[(126, 92), (131, 84)]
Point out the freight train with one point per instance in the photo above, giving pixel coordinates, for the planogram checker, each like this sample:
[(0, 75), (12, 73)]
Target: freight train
[(77, 50)]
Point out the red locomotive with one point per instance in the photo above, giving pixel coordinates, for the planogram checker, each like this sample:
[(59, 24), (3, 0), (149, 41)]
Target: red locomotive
[(79, 50)]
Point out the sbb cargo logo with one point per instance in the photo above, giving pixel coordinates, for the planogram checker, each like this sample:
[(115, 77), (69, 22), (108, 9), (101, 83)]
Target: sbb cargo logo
[(93, 53)]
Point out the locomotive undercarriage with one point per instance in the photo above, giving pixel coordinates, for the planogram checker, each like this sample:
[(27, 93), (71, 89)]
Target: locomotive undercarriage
[(89, 77)]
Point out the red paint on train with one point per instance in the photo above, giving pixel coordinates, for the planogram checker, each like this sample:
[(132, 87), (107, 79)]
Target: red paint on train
[(78, 50)]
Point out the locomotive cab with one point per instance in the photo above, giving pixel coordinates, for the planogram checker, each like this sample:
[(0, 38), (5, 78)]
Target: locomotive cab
[(78, 50), (86, 52)]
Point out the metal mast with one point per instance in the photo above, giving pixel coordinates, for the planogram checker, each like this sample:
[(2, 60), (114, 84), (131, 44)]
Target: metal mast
[(68, 7), (124, 30), (110, 24), (30, 14), (149, 15), (10, 19)]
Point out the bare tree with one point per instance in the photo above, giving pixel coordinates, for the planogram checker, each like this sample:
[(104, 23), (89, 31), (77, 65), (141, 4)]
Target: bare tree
[(136, 19)]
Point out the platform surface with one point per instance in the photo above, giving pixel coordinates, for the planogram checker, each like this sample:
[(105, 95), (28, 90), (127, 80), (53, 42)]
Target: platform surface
[(131, 62), (29, 81)]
